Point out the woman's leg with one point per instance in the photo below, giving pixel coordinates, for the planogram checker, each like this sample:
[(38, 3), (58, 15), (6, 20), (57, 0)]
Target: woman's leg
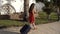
[(31, 25), (34, 25)]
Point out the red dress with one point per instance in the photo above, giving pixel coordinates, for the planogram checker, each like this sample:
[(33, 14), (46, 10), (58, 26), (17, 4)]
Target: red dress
[(31, 18)]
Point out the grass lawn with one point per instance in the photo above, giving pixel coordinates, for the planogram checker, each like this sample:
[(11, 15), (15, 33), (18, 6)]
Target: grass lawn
[(11, 23)]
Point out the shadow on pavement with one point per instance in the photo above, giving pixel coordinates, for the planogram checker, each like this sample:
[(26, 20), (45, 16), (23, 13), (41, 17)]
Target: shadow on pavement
[(8, 32)]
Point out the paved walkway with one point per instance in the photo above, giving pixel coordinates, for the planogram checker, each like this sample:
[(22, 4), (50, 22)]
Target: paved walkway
[(50, 28)]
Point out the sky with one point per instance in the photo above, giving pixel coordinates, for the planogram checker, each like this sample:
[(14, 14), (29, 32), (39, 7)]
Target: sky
[(19, 4), (49, 0)]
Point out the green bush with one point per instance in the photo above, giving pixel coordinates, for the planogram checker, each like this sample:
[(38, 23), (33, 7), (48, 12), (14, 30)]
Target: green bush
[(42, 15), (53, 16), (41, 19)]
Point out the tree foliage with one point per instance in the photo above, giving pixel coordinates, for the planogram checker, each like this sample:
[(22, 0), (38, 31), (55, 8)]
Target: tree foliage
[(39, 1), (47, 8), (52, 4), (56, 2)]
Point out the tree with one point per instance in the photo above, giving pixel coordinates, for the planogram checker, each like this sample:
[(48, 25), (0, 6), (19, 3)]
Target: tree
[(48, 7), (26, 7), (57, 4), (39, 0), (48, 11), (8, 8), (8, 5)]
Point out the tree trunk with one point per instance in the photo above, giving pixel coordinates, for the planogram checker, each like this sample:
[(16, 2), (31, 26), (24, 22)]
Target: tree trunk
[(47, 16), (58, 13), (26, 7)]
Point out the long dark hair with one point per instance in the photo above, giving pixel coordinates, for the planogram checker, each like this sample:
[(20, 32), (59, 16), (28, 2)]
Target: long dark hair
[(31, 7)]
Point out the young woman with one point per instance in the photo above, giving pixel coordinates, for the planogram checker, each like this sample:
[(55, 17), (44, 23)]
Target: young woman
[(32, 16)]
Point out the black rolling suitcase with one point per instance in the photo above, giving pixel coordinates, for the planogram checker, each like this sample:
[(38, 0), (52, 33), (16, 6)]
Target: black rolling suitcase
[(25, 29)]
